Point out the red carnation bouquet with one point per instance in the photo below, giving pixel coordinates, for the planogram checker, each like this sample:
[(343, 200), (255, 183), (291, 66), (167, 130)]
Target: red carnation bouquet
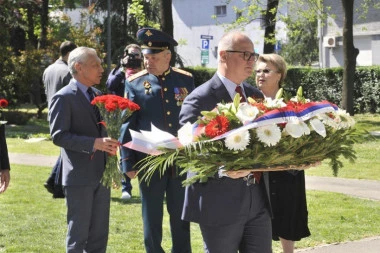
[(3, 104), (114, 110)]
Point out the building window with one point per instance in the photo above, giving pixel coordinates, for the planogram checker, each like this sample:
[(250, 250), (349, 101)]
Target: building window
[(220, 10)]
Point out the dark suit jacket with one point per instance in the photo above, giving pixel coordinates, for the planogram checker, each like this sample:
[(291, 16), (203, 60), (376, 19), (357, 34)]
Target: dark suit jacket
[(73, 127), (4, 159), (212, 202)]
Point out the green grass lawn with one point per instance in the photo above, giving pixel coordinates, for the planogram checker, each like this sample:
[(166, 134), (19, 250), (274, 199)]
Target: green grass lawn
[(35, 222)]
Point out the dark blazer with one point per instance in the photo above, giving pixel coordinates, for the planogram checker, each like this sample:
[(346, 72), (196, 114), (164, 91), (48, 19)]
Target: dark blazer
[(213, 202), (73, 127), (4, 159)]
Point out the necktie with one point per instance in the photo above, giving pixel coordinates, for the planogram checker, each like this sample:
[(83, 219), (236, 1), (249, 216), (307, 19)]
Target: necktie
[(256, 175), (239, 90), (94, 107)]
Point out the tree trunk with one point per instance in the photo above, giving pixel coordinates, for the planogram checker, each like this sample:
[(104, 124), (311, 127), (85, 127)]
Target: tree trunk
[(31, 37), (270, 26), (44, 23), (166, 16), (350, 53)]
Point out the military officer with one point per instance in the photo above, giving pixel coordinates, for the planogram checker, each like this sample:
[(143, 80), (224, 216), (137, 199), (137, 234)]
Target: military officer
[(160, 91)]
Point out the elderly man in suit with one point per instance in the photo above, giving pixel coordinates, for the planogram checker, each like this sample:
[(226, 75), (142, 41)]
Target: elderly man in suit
[(233, 214), (159, 90), (74, 126), (4, 161)]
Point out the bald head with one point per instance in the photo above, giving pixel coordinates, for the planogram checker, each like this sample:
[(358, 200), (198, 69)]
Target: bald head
[(236, 56)]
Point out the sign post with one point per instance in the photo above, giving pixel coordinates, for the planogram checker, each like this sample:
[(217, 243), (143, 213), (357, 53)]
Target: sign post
[(205, 48), (204, 57)]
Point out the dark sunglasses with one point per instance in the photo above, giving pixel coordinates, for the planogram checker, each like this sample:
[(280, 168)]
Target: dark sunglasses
[(265, 71), (246, 55)]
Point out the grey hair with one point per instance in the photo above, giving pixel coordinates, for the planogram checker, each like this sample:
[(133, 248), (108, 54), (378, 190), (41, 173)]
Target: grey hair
[(79, 55)]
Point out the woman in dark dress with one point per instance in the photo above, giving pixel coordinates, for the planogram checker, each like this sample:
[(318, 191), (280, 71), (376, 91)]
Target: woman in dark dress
[(288, 194)]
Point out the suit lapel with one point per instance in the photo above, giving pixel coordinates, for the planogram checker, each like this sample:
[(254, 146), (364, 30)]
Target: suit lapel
[(83, 100), (220, 90)]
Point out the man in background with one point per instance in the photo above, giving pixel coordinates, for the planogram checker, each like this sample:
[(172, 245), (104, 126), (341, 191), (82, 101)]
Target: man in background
[(54, 78), (130, 64)]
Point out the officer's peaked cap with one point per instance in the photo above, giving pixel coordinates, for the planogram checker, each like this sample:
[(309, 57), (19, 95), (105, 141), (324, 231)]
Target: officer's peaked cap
[(154, 41)]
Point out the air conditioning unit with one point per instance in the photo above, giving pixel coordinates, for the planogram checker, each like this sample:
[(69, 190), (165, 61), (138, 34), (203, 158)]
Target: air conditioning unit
[(329, 41)]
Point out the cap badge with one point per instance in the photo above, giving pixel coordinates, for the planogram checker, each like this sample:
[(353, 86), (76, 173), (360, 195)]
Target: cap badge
[(149, 44), (148, 33)]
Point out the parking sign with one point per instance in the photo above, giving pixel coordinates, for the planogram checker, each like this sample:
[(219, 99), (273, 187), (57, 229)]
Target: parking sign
[(205, 44)]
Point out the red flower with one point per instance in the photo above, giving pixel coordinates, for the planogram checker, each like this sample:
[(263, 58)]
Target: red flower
[(3, 103), (110, 106), (217, 126), (112, 102)]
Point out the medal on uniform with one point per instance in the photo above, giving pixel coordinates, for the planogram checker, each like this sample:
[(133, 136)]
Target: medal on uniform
[(147, 87), (180, 95)]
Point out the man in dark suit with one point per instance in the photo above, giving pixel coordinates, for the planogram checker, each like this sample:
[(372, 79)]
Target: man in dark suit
[(4, 161), (74, 126), (159, 90), (56, 76), (233, 213)]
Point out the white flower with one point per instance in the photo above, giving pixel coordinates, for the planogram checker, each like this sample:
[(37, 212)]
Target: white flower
[(224, 107), (246, 112), (185, 134), (238, 141), (269, 135), (274, 103), (327, 120), (343, 119), (297, 99), (297, 128), (318, 126)]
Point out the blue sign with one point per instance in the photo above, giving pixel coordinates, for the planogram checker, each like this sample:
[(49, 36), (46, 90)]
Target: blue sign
[(205, 44), (207, 37)]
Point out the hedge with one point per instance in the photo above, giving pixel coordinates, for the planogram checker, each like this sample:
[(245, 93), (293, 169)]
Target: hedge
[(323, 84)]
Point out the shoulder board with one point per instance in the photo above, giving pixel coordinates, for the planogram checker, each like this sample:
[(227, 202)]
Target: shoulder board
[(137, 75), (181, 71)]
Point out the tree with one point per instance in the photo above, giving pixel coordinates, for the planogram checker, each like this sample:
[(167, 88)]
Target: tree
[(301, 47), (350, 55)]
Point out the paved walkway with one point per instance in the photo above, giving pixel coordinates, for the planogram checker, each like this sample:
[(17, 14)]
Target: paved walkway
[(367, 189)]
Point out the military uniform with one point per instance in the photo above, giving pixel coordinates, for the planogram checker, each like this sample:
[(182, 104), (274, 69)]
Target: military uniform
[(160, 99)]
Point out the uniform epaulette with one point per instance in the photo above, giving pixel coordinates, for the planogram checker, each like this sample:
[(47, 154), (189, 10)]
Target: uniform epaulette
[(138, 74), (184, 72)]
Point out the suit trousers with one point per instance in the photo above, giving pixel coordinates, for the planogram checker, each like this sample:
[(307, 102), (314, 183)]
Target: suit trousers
[(152, 198), (88, 209), (251, 232)]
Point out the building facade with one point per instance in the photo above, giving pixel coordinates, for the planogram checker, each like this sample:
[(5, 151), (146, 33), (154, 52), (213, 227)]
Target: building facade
[(198, 32), (366, 30)]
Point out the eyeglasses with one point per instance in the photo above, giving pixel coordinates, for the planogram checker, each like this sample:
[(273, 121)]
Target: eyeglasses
[(265, 71), (246, 55)]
